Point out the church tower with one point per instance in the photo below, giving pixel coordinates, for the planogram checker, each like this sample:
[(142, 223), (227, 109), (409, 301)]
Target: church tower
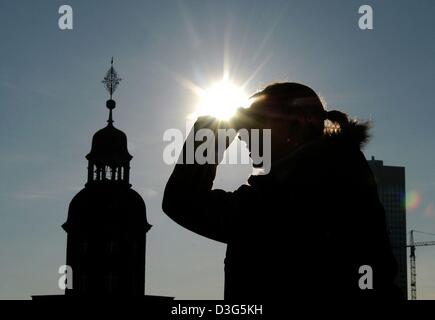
[(107, 225)]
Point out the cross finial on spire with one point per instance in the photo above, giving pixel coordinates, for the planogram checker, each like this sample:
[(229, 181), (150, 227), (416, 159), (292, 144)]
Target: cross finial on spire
[(111, 80)]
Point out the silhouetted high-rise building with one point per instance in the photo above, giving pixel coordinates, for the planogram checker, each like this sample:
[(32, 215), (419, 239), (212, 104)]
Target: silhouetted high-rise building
[(391, 189), (107, 222)]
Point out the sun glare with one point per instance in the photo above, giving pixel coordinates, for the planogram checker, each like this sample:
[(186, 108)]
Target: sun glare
[(221, 100)]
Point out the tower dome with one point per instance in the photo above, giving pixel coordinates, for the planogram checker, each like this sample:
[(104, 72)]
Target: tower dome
[(109, 145)]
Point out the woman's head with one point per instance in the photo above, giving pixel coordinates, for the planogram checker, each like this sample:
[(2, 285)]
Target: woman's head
[(294, 113)]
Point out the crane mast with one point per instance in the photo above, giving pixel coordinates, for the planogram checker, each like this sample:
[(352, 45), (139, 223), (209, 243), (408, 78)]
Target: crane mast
[(412, 266), (412, 245)]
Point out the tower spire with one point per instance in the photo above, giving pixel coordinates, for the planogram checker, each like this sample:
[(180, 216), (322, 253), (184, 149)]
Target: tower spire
[(111, 82)]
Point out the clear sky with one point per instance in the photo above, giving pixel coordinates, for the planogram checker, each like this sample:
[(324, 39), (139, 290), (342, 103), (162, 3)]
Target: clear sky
[(52, 101)]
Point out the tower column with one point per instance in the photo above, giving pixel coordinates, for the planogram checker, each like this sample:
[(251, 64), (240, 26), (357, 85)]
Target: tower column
[(127, 173), (90, 171)]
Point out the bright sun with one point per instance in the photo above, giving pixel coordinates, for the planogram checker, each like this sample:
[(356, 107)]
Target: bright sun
[(221, 100)]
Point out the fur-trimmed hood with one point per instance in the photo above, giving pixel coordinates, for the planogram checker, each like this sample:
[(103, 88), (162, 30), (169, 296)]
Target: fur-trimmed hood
[(355, 133), (351, 138)]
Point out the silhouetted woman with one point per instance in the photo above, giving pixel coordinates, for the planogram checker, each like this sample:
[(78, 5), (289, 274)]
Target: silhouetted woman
[(313, 227)]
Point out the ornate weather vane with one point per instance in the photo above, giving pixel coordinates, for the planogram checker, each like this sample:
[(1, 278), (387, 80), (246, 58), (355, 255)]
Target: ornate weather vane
[(111, 80)]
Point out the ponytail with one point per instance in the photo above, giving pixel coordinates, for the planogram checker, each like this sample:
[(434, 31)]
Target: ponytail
[(339, 121)]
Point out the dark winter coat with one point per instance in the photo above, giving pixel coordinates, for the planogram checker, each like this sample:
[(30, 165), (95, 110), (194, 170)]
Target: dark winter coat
[(304, 230)]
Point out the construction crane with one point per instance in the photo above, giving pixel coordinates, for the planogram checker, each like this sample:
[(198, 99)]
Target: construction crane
[(412, 245)]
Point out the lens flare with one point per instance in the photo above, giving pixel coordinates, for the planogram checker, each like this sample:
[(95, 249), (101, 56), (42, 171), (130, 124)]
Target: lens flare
[(412, 200)]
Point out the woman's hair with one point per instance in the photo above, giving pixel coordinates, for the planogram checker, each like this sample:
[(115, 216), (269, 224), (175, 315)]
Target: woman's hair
[(336, 121), (301, 106)]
